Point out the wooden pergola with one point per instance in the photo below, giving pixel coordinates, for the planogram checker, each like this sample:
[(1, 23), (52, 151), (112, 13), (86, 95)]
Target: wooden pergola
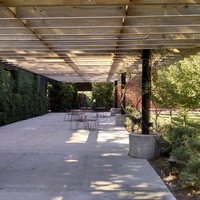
[(96, 40)]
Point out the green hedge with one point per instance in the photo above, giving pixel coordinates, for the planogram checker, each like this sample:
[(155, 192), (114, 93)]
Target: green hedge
[(62, 96), (22, 94)]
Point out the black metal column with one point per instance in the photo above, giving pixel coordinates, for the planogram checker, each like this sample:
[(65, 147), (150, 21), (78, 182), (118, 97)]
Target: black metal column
[(146, 89), (116, 94), (123, 95)]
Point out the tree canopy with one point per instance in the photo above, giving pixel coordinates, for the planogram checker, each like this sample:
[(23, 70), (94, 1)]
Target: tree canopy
[(103, 93), (178, 86)]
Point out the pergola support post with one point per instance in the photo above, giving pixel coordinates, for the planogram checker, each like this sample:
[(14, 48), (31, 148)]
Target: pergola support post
[(145, 145), (146, 90), (120, 118), (123, 95), (116, 109), (116, 95)]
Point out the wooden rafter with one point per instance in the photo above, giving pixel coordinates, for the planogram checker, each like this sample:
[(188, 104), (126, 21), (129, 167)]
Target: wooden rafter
[(43, 45), (27, 3)]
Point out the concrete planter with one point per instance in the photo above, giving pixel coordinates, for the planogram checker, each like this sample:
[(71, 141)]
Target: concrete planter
[(115, 111), (119, 119), (143, 146)]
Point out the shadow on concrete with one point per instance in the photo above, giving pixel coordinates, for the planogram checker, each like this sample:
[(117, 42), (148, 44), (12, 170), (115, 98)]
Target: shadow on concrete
[(43, 159)]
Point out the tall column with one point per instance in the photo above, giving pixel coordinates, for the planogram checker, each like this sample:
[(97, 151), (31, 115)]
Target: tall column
[(146, 90), (116, 94), (123, 83)]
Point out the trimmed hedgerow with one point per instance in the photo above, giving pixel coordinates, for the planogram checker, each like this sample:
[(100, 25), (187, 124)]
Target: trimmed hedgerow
[(22, 94)]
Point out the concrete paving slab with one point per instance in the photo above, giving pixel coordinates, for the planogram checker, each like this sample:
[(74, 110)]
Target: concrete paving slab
[(42, 159)]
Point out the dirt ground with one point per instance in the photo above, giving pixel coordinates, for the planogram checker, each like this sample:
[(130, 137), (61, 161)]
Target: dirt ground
[(169, 174)]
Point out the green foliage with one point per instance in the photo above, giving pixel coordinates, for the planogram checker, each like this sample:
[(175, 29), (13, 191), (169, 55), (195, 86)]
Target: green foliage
[(184, 144), (22, 95), (132, 111), (62, 96), (180, 139), (178, 86), (165, 142), (103, 93), (191, 173), (129, 123)]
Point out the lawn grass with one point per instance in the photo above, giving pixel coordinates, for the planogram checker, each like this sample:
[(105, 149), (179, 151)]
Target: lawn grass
[(193, 119)]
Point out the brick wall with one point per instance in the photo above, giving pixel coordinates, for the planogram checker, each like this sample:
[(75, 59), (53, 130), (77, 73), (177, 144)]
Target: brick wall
[(133, 93)]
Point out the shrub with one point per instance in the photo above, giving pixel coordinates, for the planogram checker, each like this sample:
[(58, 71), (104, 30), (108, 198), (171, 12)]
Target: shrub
[(191, 173), (184, 143), (165, 142)]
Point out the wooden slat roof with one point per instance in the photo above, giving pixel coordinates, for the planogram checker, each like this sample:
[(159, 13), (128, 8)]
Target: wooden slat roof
[(95, 40)]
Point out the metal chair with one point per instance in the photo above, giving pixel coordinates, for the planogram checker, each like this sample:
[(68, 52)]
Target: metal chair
[(77, 118), (93, 122), (82, 119), (67, 116)]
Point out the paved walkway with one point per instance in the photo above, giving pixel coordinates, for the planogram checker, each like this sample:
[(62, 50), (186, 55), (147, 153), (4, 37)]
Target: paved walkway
[(42, 159)]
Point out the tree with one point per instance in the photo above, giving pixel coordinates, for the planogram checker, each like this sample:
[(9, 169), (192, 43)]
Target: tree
[(178, 86), (103, 94)]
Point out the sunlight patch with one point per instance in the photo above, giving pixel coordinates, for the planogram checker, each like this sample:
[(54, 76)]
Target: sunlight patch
[(113, 138), (143, 185), (105, 186), (111, 154), (71, 161), (80, 136), (57, 198)]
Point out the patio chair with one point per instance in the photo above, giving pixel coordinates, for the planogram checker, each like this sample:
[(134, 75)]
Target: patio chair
[(78, 118), (82, 120), (93, 122), (67, 116)]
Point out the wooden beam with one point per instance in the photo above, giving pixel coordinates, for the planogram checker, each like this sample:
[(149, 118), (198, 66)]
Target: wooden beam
[(145, 11), (173, 30), (92, 28), (103, 12), (164, 22), (73, 12), (28, 3), (73, 23), (115, 66)]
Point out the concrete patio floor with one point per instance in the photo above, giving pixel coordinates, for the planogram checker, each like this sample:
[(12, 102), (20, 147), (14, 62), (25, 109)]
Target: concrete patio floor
[(42, 159)]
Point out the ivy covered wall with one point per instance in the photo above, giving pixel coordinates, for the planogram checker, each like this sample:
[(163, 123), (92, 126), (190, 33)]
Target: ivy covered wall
[(22, 94)]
